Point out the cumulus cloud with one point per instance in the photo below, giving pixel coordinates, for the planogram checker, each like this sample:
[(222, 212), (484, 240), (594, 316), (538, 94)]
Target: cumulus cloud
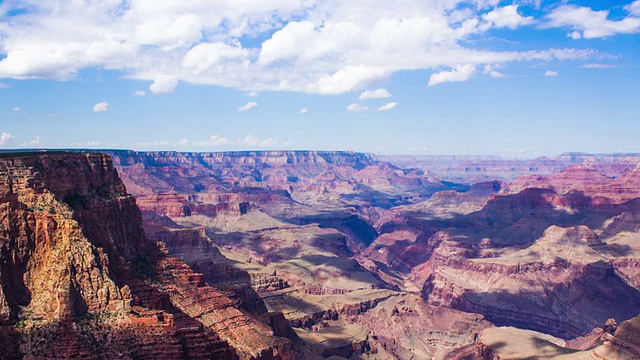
[(459, 73), (15, 108), (85, 144), (388, 106), (183, 142), (356, 107), (304, 111), (550, 73), (506, 16), (164, 84), (633, 8), (347, 79), (591, 24), (248, 106), (206, 55), (35, 141), (324, 47), (375, 94), (268, 142), (575, 35), (153, 144), (140, 93), (101, 107), (252, 94), (215, 140), (249, 140), (6, 139), (490, 70)]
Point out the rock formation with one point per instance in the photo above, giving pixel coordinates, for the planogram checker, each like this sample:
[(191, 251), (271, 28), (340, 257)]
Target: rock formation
[(80, 278), (303, 254)]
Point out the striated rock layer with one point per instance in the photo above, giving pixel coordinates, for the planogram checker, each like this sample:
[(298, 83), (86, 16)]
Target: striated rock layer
[(561, 264), (512, 343), (80, 279)]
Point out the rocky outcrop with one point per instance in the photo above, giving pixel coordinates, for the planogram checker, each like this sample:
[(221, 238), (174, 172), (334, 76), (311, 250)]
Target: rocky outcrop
[(80, 277), (51, 269), (587, 180), (506, 342), (536, 259), (196, 249)]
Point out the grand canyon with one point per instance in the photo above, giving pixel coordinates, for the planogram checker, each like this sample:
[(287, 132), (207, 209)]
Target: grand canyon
[(312, 255), (319, 179)]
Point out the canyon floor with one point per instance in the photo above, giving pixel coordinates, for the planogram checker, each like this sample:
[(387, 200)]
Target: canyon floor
[(311, 255)]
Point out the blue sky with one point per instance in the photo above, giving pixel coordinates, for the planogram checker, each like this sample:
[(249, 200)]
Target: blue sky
[(511, 78)]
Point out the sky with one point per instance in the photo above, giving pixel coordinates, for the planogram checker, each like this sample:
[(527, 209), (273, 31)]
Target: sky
[(518, 78)]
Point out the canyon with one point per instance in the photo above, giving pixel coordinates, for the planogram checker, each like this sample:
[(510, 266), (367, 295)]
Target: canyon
[(318, 254)]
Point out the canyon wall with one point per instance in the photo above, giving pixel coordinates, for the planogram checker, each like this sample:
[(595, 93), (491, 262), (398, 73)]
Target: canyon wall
[(77, 266)]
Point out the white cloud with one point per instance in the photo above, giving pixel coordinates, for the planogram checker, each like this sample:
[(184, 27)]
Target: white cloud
[(325, 47), (575, 35), (4, 86), (490, 70), (206, 55), (375, 94), (15, 108), (248, 106), (35, 141), (252, 94), (633, 8), (268, 142), (153, 144), (388, 106), (597, 66), (6, 139), (506, 16), (591, 24), (215, 140), (101, 107), (347, 79), (550, 73), (86, 144), (459, 73), (140, 93), (304, 111), (249, 140), (183, 141), (164, 84), (356, 107)]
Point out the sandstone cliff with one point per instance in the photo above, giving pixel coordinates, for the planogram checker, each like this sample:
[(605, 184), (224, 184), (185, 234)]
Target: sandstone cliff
[(79, 276)]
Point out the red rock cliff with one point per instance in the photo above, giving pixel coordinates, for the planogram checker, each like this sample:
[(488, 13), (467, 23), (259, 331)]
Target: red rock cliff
[(79, 277)]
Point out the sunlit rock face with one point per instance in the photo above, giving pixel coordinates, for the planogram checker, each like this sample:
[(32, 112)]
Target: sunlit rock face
[(80, 278)]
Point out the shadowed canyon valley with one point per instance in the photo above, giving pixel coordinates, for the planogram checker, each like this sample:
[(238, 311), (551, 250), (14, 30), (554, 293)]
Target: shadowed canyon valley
[(316, 255)]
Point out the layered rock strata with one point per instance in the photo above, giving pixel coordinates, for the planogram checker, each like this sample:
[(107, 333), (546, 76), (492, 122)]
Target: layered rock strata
[(77, 266)]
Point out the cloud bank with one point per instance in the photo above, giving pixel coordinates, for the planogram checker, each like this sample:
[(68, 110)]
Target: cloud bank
[(311, 46)]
